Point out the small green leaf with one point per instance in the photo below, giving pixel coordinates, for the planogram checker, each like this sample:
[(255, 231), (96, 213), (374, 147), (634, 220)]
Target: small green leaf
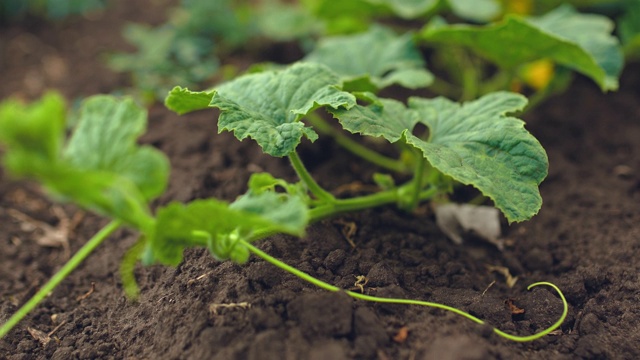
[(386, 118), (373, 60), (35, 130), (219, 225), (581, 42), (474, 143), (182, 101), (288, 213), (268, 106), (263, 182), (384, 181)]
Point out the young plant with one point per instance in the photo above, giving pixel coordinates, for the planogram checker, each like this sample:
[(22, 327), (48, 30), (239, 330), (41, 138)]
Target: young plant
[(102, 169), (478, 142)]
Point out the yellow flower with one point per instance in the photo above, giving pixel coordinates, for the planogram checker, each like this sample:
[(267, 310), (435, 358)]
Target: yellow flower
[(537, 74)]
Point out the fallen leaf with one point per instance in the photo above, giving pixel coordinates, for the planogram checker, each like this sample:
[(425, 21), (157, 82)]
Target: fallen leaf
[(509, 279), (402, 335), (513, 308), (41, 336), (349, 230), (483, 221)]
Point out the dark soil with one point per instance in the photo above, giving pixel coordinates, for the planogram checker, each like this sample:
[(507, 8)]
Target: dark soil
[(585, 239)]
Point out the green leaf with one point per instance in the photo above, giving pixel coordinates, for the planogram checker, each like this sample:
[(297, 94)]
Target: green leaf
[(342, 17), (263, 182), (35, 130), (579, 41), (286, 22), (165, 57), (377, 58), (222, 225), (182, 101), (476, 10), (101, 169), (385, 118), (287, 213), (268, 106), (408, 9), (629, 29), (474, 143)]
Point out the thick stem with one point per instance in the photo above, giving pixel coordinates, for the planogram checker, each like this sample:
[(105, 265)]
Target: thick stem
[(311, 184), (73, 263), (326, 286), (366, 202), (356, 148), (416, 187)]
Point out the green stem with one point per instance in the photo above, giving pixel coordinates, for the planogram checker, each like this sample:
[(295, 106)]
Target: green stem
[(73, 263), (444, 88), (470, 77), (355, 147), (304, 175), (326, 286), (365, 202), (418, 177), (500, 81)]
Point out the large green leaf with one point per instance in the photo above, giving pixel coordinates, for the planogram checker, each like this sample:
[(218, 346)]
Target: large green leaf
[(378, 58), (268, 106), (219, 225), (579, 41), (101, 169), (474, 143)]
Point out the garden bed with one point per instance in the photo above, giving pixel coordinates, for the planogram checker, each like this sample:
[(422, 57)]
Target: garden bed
[(585, 240)]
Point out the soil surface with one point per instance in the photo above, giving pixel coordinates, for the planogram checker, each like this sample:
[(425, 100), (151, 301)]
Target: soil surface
[(585, 240)]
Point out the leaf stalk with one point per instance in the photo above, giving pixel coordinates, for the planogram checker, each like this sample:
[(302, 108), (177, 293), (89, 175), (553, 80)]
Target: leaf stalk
[(308, 180), (356, 148)]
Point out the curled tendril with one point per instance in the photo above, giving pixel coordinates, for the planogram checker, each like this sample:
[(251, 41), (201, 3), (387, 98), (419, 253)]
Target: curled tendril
[(356, 295)]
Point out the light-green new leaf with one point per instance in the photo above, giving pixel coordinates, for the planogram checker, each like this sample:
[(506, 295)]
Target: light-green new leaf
[(268, 106), (105, 140), (101, 168), (582, 42), (219, 225), (373, 60), (35, 131), (474, 143)]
